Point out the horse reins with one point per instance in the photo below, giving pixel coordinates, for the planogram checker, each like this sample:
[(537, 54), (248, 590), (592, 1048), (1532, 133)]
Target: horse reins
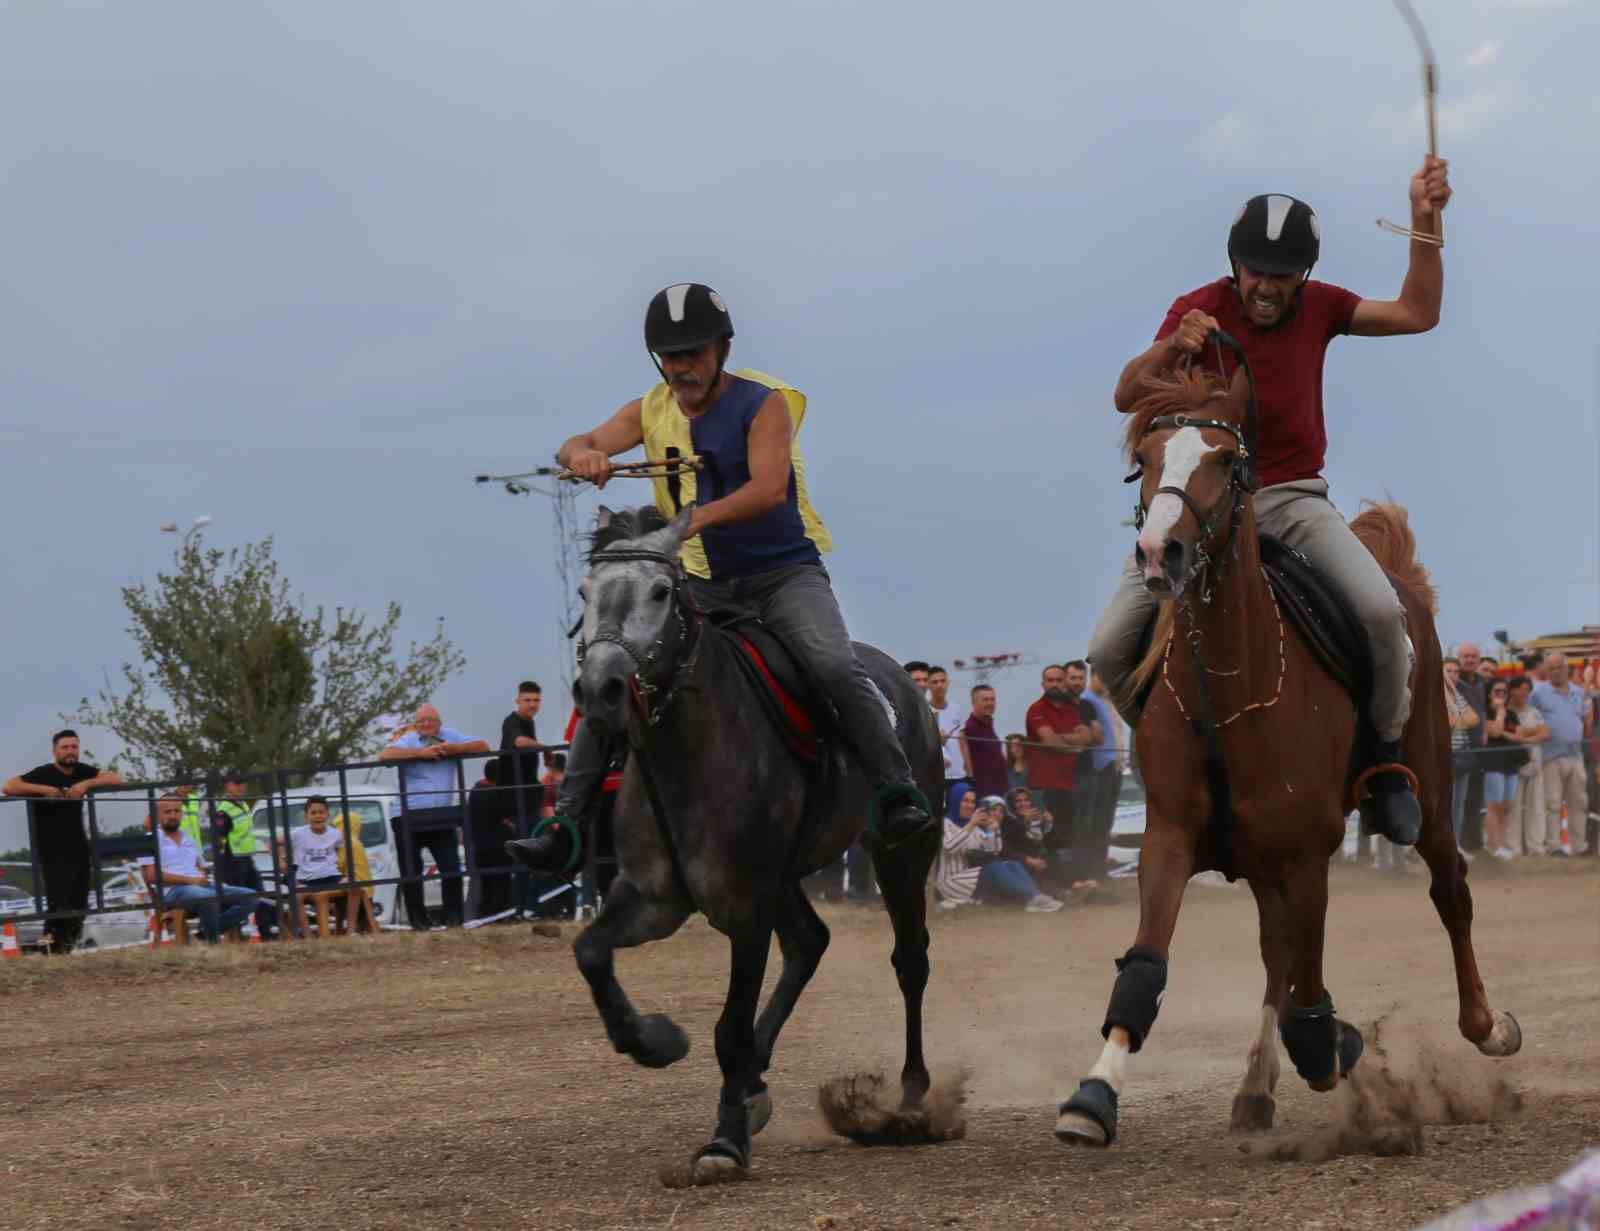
[(1241, 481), (642, 690)]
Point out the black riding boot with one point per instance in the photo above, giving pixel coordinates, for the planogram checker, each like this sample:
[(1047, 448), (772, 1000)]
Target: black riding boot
[(556, 845), (1395, 810)]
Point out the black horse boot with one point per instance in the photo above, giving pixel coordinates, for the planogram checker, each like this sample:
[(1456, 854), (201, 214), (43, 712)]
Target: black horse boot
[(1395, 811), (555, 847)]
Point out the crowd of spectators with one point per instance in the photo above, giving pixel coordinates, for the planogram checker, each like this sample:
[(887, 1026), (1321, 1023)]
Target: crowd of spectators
[(1027, 815), (1523, 755)]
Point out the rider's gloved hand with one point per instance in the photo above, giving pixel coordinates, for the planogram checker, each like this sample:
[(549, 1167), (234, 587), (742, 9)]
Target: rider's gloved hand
[(1193, 331), (591, 464)]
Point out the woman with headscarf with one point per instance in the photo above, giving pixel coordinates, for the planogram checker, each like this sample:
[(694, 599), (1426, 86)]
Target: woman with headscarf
[(970, 867)]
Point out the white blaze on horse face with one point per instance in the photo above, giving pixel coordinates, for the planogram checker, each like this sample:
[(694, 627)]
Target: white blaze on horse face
[(1180, 458)]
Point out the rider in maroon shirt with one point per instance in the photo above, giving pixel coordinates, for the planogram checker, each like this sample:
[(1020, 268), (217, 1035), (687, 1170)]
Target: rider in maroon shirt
[(1284, 321)]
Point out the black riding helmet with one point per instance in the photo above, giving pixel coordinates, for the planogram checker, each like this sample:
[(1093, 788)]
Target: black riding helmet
[(1275, 234), (684, 317)]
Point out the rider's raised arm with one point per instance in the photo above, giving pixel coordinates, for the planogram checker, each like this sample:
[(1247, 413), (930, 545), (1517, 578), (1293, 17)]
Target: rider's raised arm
[(618, 434), (1183, 332), (1422, 292), (768, 447)]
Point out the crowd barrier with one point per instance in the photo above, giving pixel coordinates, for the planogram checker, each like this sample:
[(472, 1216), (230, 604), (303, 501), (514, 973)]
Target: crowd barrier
[(276, 788)]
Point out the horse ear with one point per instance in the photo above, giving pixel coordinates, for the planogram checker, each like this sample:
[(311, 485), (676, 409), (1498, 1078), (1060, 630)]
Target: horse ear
[(603, 517), (678, 527), (1238, 397)]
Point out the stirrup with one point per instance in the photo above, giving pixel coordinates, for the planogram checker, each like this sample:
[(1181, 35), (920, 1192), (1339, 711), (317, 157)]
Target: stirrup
[(885, 798), (574, 842)]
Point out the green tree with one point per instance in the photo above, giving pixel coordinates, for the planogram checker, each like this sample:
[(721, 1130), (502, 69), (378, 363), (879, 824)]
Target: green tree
[(235, 672)]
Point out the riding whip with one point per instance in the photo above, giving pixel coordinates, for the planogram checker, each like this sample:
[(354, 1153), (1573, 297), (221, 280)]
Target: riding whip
[(1430, 95), (641, 470)]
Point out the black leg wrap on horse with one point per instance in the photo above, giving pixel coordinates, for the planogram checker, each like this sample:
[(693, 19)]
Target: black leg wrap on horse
[(1311, 1037), (1136, 995)]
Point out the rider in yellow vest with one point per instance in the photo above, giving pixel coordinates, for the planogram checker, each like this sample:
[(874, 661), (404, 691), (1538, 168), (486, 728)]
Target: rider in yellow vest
[(754, 541)]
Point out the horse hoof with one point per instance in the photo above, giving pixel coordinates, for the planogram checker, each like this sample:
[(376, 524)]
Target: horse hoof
[(759, 1108), (1252, 1113), (1351, 1045), (1506, 1037), (719, 1163), (1089, 1117), (661, 1042)]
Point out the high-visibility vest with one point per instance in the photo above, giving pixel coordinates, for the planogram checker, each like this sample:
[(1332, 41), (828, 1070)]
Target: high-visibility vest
[(191, 821), (241, 833)]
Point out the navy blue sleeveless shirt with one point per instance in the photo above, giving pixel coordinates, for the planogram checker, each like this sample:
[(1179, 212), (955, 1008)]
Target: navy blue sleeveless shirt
[(777, 538)]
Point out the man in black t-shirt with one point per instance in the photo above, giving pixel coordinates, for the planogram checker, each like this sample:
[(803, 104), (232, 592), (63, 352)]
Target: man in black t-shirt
[(61, 847), (517, 735)]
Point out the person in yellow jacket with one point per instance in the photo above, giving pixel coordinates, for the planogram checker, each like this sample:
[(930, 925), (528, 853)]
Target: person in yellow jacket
[(754, 541)]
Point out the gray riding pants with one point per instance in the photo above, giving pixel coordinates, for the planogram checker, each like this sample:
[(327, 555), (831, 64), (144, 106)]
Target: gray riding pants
[(1301, 515)]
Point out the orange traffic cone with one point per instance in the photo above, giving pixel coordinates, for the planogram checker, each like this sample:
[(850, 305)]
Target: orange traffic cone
[(1566, 829), (252, 936), (8, 941)]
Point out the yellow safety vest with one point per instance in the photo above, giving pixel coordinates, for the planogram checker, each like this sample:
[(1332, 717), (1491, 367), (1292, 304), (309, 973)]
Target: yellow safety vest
[(667, 427)]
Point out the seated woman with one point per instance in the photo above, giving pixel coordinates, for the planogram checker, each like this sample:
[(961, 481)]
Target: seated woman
[(970, 865)]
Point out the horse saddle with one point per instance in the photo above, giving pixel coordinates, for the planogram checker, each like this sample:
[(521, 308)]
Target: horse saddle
[(1319, 611), (778, 678)]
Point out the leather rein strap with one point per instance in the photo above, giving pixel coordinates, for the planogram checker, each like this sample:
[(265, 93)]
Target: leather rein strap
[(640, 691)]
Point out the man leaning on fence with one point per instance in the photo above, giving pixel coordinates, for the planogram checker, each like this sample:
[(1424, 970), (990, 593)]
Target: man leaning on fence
[(431, 810), (61, 847)]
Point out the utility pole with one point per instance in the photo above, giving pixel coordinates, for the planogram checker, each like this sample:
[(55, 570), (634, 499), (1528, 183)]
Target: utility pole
[(567, 545)]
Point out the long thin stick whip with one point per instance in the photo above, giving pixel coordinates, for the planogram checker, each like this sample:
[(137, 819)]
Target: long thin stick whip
[(1430, 96)]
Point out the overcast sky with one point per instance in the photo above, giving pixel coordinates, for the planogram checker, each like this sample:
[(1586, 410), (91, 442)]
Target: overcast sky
[(308, 268)]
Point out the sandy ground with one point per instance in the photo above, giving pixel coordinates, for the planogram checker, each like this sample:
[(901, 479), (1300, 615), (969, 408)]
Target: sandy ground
[(462, 1080)]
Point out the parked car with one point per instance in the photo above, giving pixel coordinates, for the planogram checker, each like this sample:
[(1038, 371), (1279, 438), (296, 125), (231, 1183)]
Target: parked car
[(123, 887), (14, 901)]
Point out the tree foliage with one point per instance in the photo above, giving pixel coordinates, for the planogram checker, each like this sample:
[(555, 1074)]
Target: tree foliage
[(234, 672)]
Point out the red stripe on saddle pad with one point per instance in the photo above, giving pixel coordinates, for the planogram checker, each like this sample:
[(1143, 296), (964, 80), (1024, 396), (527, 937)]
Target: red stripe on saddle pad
[(798, 717)]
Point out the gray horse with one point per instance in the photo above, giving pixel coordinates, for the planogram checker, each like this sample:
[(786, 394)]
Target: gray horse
[(718, 814)]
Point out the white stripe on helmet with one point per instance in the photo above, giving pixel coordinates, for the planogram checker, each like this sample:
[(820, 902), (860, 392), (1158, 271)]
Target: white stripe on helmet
[(1278, 207), (676, 297)]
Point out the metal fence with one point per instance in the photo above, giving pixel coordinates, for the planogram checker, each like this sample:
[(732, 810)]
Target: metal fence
[(277, 790)]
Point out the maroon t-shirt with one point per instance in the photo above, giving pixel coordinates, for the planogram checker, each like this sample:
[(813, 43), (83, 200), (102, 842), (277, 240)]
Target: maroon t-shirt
[(1287, 362), (1051, 768), (989, 773)]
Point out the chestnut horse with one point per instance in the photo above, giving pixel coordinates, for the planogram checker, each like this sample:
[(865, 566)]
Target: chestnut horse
[(1245, 745)]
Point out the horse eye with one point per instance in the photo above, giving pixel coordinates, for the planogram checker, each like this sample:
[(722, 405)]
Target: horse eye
[(660, 592)]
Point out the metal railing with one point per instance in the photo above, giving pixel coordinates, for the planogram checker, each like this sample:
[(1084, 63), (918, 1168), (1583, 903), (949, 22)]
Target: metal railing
[(274, 788)]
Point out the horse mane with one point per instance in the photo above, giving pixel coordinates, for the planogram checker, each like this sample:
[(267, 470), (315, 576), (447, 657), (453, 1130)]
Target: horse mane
[(625, 525), (1192, 392), (1140, 679), (1385, 530)]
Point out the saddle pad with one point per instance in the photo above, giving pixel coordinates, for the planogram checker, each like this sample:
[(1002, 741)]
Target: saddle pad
[(1315, 607), (777, 677)]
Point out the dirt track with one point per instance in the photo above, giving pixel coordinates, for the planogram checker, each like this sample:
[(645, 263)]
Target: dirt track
[(462, 1080)]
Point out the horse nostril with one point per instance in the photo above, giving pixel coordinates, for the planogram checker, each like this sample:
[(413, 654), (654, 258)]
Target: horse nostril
[(611, 694), (1172, 558)]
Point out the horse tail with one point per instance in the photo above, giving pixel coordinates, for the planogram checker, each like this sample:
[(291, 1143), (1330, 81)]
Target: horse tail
[(1151, 662), (1385, 531)]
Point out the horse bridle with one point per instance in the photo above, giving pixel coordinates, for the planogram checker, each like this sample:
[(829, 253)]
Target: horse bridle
[(1227, 511), (653, 698)]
